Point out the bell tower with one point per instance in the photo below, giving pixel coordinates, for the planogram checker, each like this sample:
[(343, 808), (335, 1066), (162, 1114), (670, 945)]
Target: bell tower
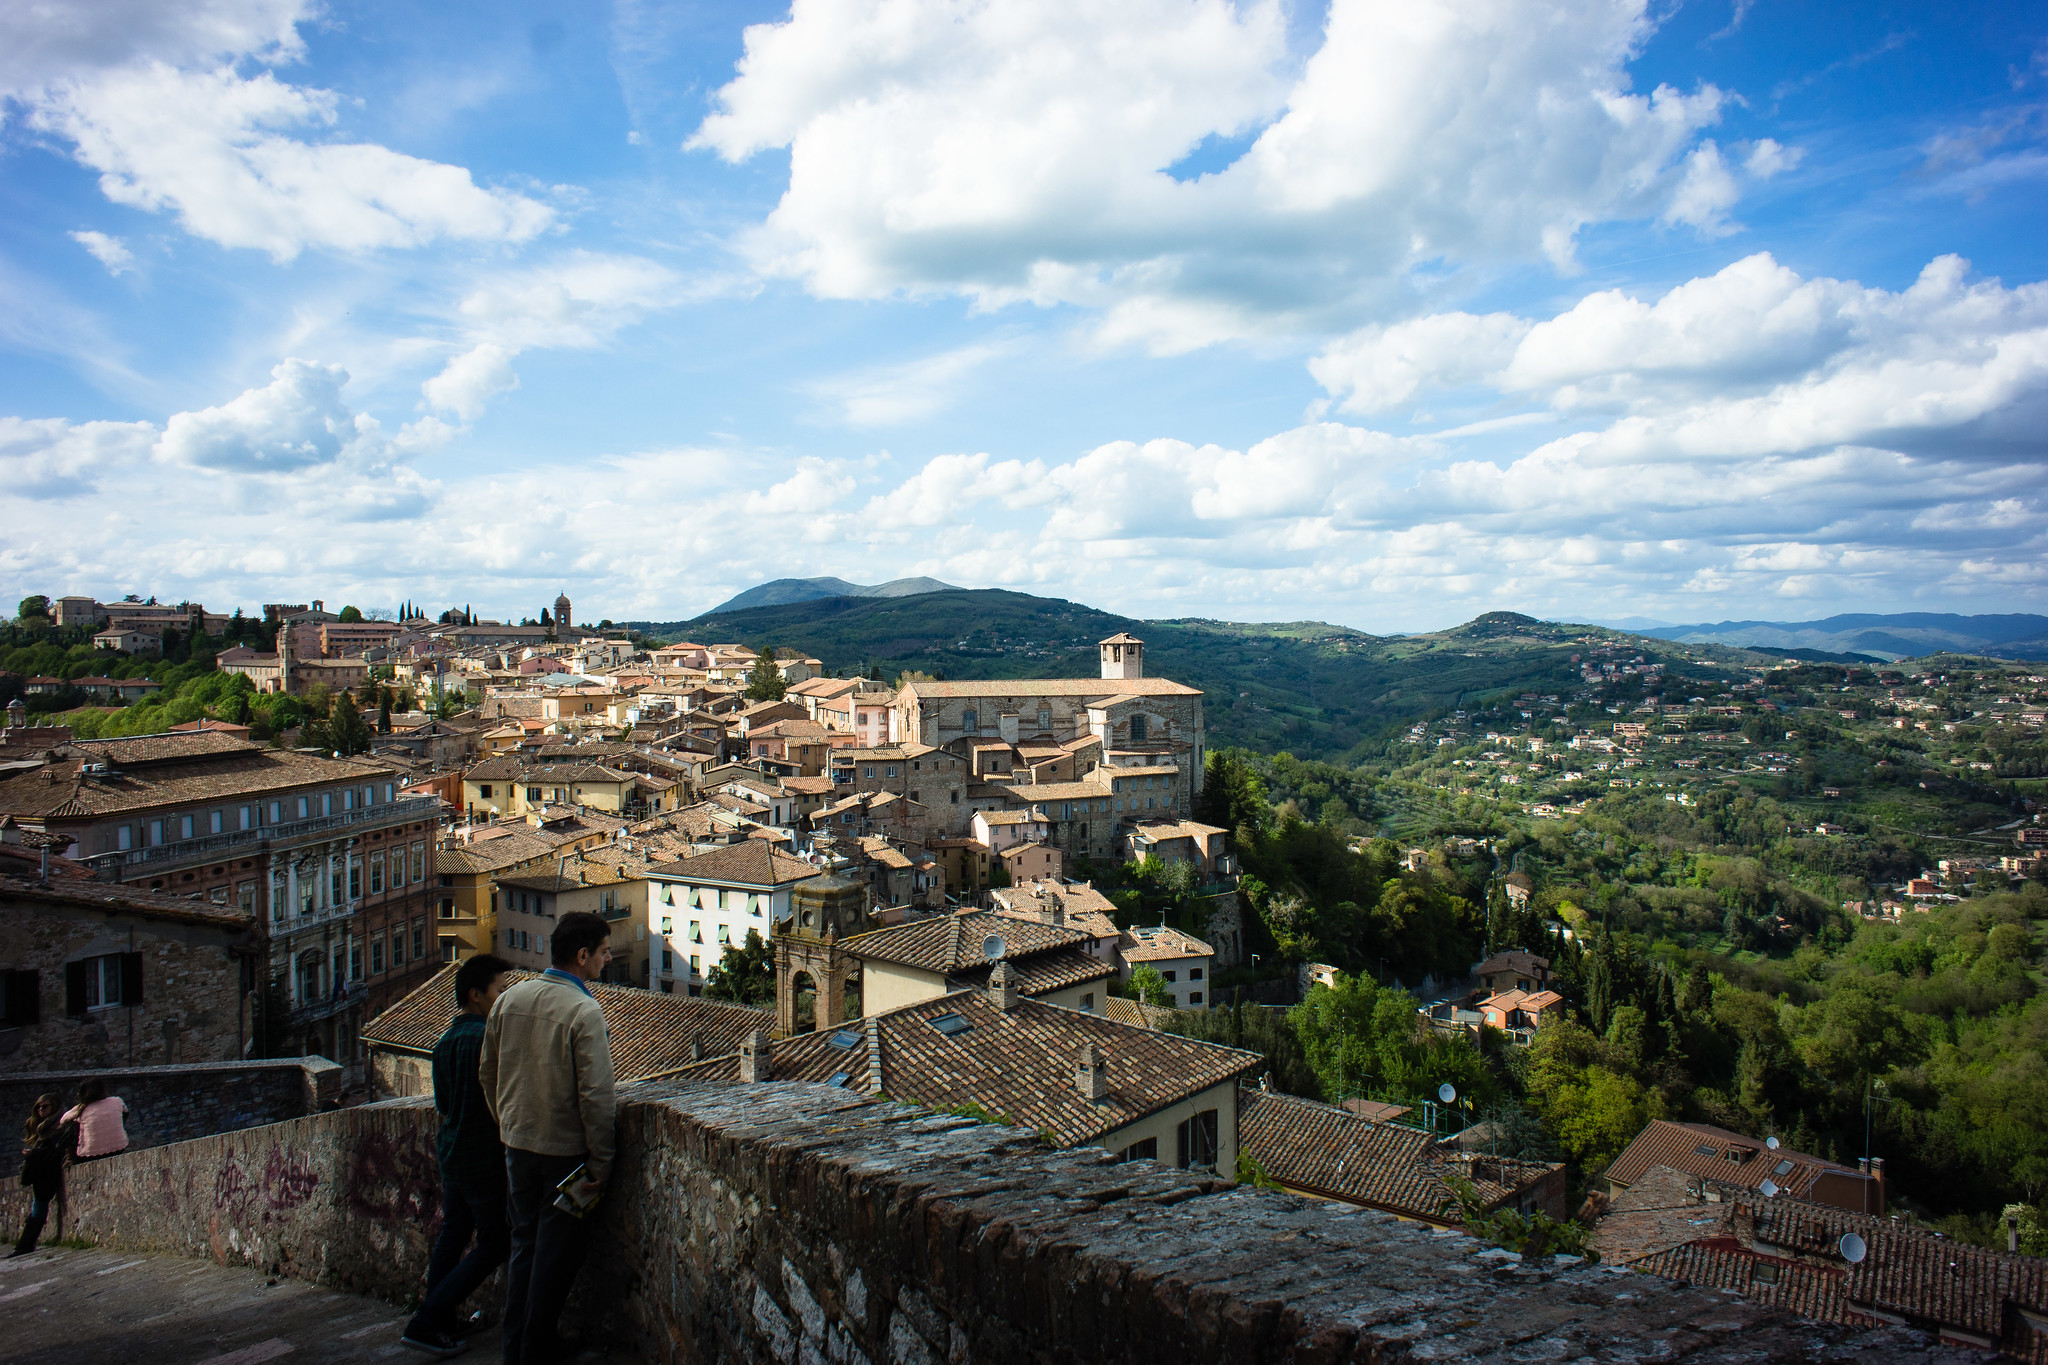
[(562, 620), (823, 910), (1123, 656)]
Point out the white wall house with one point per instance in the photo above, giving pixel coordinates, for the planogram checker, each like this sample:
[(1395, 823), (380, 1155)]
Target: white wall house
[(698, 907)]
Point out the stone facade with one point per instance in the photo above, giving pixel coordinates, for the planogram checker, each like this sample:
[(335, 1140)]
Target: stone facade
[(186, 958), (795, 1223), (178, 1103)]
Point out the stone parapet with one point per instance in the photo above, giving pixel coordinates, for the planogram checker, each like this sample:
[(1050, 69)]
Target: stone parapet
[(792, 1222), (175, 1103)]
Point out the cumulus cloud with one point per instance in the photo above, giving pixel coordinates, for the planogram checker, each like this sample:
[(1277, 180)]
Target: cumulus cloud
[(296, 421), (162, 112), (52, 458), (471, 380), (110, 252), (1018, 150), (1750, 360)]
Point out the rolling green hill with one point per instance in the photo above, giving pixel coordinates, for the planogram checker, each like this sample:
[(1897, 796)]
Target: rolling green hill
[(1314, 689)]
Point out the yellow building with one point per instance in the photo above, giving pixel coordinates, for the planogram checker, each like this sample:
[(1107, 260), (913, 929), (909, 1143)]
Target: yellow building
[(470, 859)]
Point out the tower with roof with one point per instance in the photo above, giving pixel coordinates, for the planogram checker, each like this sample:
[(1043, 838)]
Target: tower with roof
[(1123, 656)]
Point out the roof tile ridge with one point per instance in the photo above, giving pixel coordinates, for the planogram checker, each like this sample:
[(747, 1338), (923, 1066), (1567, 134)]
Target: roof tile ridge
[(873, 1029)]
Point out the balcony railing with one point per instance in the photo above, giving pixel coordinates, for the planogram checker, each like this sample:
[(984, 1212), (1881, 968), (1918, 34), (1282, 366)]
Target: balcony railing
[(115, 865), (334, 1004)]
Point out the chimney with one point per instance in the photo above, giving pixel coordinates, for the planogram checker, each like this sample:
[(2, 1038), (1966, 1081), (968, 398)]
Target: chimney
[(696, 1047), (1002, 988), (2012, 1233), (1091, 1078), (1877, 1174), (756, 1062)]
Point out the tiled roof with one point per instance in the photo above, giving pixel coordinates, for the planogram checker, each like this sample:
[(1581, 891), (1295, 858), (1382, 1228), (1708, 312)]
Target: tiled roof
[(1135, 1012), (1786, 1252), (61, 789), (752, 863), (1154, 943), (158, 748), (949, 944), (1324, 1150), (1514, 960), (1679, 1146), (110, 898), (1053, 687), (652, 1033), (1018, 1065), (1161, 830)]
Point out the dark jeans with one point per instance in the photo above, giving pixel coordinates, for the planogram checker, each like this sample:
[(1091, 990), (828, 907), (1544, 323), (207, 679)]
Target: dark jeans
[(471, 1207), (547, 1250)]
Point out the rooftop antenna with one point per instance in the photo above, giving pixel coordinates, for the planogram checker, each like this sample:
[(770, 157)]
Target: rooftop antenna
[(993, 947), (1772, 1142), (1853, 1248)]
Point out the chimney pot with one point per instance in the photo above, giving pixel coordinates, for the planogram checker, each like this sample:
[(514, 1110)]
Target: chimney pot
[(1002, 987), (756, 1060), (1091, 1078)]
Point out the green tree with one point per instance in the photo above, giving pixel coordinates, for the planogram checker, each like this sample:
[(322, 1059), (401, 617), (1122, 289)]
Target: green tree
[(1356, 1036), (1148, 986), (37, 605), (346, 733), (765, 682), (383, 711), (349, 615), (746, 974)]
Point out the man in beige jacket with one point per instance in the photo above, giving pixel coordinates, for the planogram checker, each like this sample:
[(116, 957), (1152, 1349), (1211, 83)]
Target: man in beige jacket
[(546, 1072)]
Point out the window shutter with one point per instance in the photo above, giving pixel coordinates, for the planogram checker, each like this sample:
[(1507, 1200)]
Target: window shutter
[(74, 989), (131, 978), (24, 999)]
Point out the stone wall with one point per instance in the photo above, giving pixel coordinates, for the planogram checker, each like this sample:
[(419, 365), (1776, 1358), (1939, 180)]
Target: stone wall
[(796, 1223), (191, 1010), (174, 1103)]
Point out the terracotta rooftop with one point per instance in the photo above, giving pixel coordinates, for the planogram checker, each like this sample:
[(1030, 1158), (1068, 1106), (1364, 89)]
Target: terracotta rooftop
[(62, 790), (1135, 1012), (1323, 1150), (652, 1033), (753, 863), (1787, 1253), (1018, 1065), (1053, 687), (952, 943), (1155, 943), (1717, 1154), (74, 893)]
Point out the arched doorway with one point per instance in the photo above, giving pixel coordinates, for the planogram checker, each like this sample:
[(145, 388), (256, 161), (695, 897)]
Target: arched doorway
[(804, 995)]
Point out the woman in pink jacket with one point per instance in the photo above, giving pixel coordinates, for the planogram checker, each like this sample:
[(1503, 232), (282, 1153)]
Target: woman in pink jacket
[(98, 1116)]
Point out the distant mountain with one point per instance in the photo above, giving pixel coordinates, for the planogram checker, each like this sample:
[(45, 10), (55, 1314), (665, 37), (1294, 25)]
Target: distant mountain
[(1897, 636), (783, 591)]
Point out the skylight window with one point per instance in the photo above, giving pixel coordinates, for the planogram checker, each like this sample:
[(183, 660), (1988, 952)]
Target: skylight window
[(952, 1025), (839, 1078), (1704, 1150), (843, 1039), (1782, 1168)]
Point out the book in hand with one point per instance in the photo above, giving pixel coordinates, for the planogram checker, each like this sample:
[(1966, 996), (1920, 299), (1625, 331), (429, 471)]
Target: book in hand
[(575, 1196)]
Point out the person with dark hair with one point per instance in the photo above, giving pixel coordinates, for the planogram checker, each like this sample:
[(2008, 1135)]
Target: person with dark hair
[(472, 1164), (42, 1169), (98, 1116), (546, 1071)]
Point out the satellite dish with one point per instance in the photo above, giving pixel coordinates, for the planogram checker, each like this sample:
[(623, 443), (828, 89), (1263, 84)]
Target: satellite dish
[(1772, 1142), (1447, 1092), (993, 947), (1854, 1248), (1770, 1189)]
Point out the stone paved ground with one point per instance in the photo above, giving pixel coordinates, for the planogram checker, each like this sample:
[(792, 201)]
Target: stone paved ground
[(70, 1307)]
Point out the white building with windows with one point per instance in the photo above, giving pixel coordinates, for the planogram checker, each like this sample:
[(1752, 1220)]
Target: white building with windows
[(1182, 960), (700, 906)]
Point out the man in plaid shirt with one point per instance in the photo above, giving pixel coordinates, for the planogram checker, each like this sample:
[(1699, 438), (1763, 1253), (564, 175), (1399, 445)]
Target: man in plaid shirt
[(472, 1167)]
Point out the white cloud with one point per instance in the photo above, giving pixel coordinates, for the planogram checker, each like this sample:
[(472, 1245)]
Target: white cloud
[(1706, 193), (150, 97), (52, 458), (110, 252), (1768, 158), (580, 300), (1376, 368), (471, 380), (211, 147), (296, 421), (893, 394), (45, 40), (1017, 150)]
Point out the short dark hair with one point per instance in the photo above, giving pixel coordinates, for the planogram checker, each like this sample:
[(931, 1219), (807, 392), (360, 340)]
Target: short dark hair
[(477, 974), (575, 931), (92, 1091)]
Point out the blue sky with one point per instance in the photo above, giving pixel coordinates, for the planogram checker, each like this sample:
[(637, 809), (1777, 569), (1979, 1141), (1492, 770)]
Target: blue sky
[(1386, 314)]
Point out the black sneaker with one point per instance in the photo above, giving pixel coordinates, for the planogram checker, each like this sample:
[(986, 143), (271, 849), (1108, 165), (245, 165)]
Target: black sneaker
[(439, 1345)]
